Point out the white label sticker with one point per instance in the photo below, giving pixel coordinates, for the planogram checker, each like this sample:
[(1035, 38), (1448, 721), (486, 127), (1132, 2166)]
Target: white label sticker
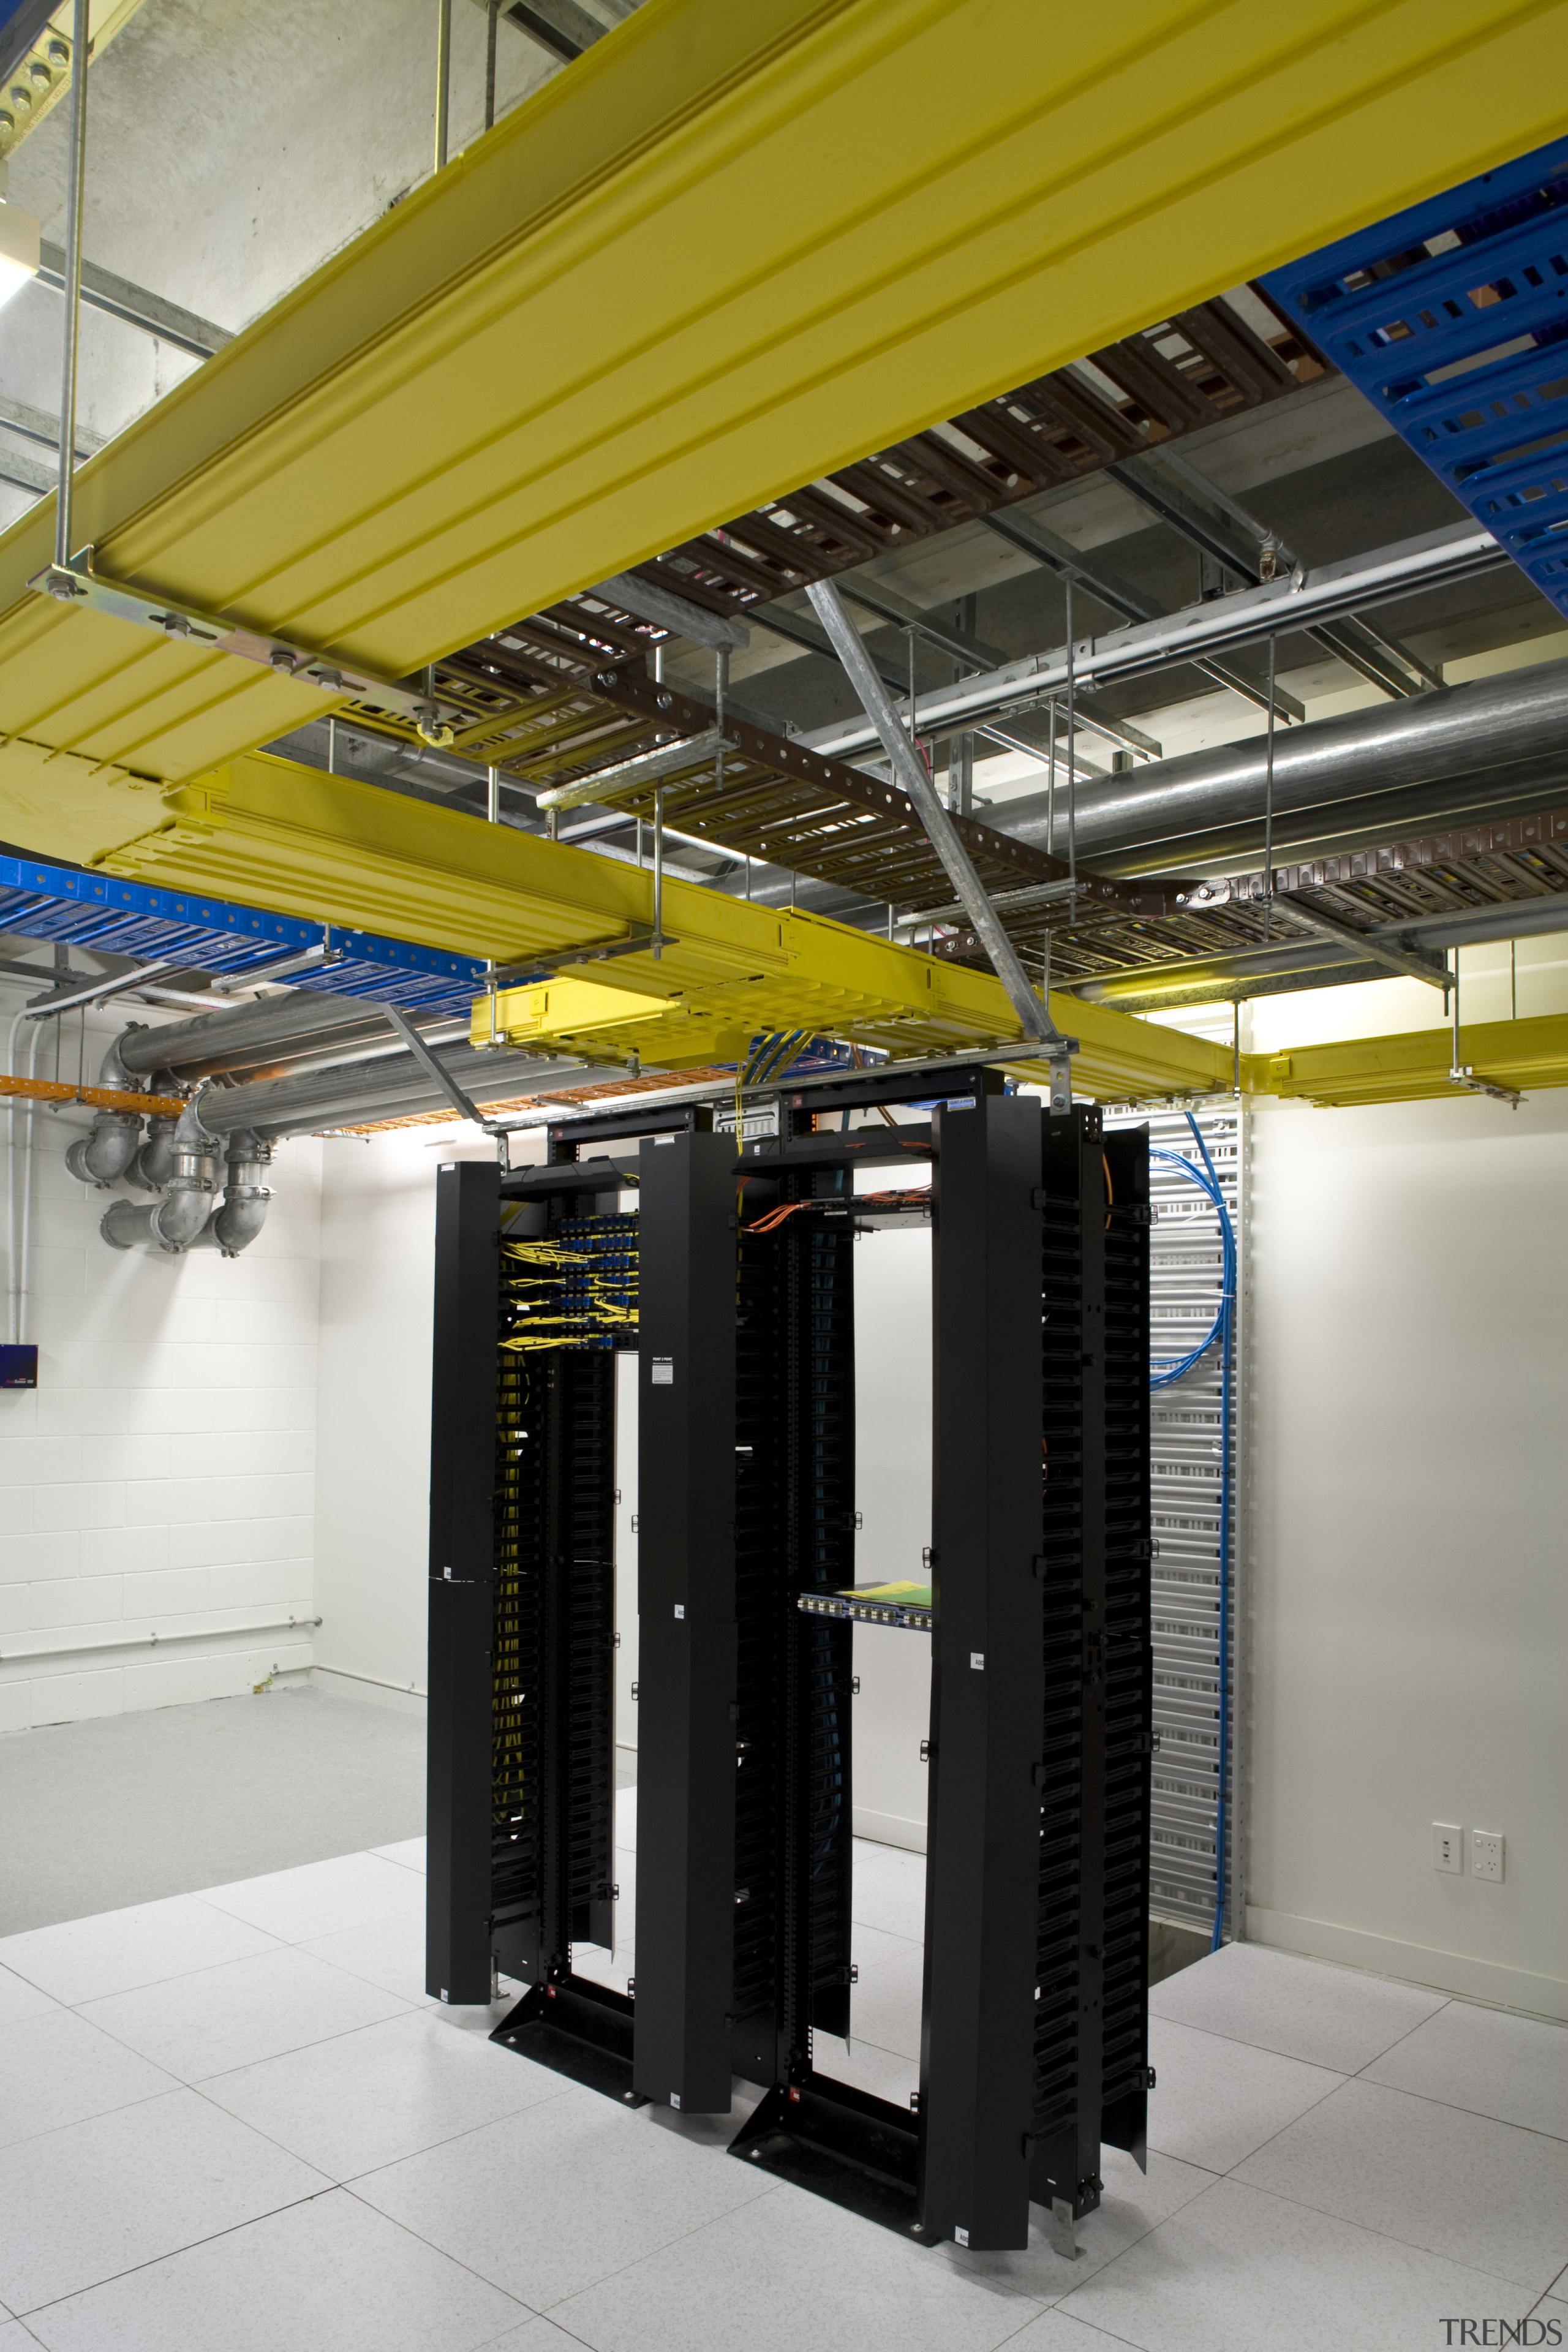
[(675, 2100), (666, 1138), (977, 1660), (960, 2236), (960, 1102), (680, 1607), (664, 1371)]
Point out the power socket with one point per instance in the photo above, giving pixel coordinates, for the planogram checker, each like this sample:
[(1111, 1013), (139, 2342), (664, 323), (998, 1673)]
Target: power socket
[(1448, 1846), (1487, 1854)]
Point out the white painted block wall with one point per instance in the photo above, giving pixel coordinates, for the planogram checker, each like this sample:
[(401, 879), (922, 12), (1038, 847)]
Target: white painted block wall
[(378, 1242), (893, 1496), (161, 1477), (1410, 1592)]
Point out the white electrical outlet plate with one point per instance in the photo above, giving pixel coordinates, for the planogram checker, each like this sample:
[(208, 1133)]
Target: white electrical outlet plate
[(1487, 1854), (1448, 1846)]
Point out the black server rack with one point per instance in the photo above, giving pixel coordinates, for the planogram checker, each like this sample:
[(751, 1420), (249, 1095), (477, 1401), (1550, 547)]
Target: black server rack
[(533, 1297), (746, 1495), (1035, 2021)]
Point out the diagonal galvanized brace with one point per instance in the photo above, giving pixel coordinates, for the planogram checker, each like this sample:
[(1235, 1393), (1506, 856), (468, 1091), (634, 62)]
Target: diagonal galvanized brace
[(438, 1075), (910, 768)]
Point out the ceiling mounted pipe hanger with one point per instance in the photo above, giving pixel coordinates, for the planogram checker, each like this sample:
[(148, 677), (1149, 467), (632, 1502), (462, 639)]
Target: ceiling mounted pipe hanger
[(76, 183), (443, 78)]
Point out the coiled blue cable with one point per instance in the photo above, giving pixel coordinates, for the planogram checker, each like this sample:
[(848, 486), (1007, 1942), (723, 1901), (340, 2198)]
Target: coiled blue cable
[(1221, 1331)]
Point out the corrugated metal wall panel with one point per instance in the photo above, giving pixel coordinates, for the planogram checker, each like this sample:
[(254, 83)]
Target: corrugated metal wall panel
[(1188, 1471)]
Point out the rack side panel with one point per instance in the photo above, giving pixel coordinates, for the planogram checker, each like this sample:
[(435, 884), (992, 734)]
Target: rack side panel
[(461, 1573), (1129, 1657), (987, 1683), (687, 1636), (1094, 1355)]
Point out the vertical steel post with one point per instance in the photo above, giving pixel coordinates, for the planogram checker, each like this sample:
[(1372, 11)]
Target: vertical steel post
[(1051, 782), (76, 184), (1268, 800), (492, 811), (443, 77), (658, 872), (491, 13), (462, 1582), (1072, 756)]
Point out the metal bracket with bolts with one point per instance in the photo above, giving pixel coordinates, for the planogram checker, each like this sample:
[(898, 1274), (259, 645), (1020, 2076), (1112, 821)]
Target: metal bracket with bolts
[(76, 583)]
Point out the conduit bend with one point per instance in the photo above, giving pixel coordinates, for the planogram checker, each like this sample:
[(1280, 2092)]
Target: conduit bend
[(105, 1154), (153, 1163), (171, 1225), (235, 1226)]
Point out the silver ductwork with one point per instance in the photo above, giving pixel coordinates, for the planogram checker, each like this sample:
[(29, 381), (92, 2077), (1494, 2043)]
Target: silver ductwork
[(171, 1225), (1493, 748), (276, 1029), (393, 1087), (372, 1081), (1498, 746)]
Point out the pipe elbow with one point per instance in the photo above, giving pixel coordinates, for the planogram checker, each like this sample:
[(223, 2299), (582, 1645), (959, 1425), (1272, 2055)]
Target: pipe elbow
[(245, 1196), (102, 1157), (176, 1221), (152, 1164), (187, 1219), (236, 1225), (112, 1071)]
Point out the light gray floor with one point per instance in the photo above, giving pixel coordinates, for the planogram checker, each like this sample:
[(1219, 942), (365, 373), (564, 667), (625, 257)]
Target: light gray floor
[(234, 2120), (94, 1816)]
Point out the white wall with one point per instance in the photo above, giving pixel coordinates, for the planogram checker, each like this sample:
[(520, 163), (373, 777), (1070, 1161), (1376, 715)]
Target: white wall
[(893, 1496), (159, 1479), (378, 1239), (1409, 1275)]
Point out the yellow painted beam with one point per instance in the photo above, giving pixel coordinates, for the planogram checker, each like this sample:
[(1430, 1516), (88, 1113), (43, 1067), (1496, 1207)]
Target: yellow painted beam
[(1414, 1068), (734, 247), (266, 832)]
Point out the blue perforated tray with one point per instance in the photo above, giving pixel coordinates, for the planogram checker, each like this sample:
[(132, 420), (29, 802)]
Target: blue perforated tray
[(1452, 317)]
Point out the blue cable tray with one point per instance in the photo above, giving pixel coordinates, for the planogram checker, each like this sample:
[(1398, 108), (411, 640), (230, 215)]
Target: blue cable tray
[(132, 919), (1452, 317)]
